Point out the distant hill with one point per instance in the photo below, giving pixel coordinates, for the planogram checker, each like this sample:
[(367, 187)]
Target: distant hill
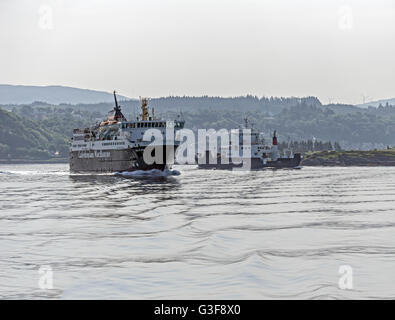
[(377, 103), (11, 94)]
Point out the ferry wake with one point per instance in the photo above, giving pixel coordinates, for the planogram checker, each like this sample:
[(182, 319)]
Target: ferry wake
[(117, 145)]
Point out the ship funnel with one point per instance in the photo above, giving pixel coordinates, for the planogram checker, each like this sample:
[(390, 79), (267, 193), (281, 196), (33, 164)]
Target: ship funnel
[(116, 102), (275, 138), (144, 109)]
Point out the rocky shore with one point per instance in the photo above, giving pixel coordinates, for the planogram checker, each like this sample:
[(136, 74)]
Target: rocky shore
[(350, 158)]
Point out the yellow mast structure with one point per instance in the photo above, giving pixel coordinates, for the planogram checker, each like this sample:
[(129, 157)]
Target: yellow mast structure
[(144, 109)]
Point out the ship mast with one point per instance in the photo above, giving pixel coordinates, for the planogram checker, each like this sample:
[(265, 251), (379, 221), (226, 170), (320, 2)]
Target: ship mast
[(117, 110), (246, 122)]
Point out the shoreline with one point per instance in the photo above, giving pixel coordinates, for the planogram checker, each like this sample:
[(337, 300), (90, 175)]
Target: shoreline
[(373, 158), (30, 161)]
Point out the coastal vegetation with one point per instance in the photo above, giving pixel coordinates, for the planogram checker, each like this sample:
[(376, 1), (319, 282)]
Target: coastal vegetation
[(42, 131), (351, 158)]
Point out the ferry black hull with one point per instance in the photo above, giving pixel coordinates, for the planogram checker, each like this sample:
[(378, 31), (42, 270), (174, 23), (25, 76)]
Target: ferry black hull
[(121, 160), (255, 164)]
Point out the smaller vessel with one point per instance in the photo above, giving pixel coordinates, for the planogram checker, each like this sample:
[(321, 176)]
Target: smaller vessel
[(291, 161), (255, 155)]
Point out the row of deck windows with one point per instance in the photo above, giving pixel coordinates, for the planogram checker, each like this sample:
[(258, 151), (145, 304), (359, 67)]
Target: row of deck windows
[(149, 125), (144, 125)]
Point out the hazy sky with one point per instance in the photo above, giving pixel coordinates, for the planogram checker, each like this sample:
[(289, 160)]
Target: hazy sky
[(334, 49)]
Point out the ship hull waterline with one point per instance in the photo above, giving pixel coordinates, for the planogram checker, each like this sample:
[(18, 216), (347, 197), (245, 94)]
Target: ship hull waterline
[(252, 164), (120, 160)]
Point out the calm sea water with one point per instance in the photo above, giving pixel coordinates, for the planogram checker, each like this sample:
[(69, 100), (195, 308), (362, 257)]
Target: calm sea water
[(201, 234)]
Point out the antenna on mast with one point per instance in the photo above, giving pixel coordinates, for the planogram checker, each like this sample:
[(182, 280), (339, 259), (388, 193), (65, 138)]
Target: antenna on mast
[(117, 110), (144, 109), (365, 98)]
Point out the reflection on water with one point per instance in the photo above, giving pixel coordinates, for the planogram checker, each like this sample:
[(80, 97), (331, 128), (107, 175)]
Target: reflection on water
[(202, 234)]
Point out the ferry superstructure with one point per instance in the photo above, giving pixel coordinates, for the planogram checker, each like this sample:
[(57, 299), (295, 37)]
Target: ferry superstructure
[(252, 152)]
